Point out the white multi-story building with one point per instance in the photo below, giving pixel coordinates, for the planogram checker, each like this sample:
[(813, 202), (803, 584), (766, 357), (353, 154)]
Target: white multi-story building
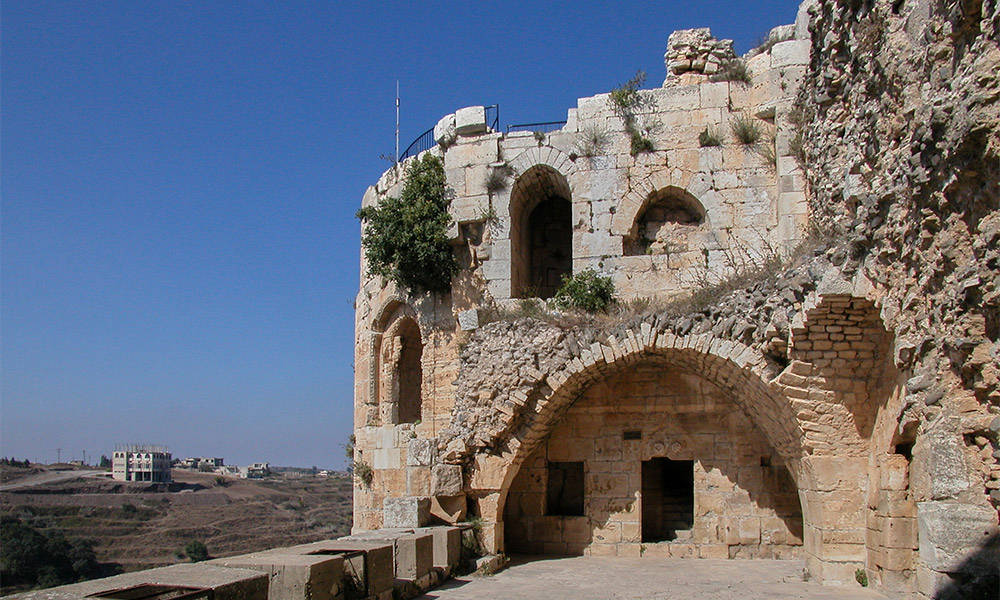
[(141, 462)]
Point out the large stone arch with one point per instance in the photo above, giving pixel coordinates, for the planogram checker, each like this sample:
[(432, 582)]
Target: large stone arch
[(551, 157), (741, 371), (680, 223), (821, 427), (633, 202)]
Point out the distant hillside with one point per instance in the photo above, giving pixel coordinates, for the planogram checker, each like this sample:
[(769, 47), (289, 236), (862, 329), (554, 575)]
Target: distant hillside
[(138, 528)]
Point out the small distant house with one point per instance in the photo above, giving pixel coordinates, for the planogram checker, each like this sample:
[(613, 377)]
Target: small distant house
[(255, 471), (141, 462)]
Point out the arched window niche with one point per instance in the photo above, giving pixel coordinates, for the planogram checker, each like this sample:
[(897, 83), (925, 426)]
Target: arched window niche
[(400, 369), (665, 223), (541, 233)]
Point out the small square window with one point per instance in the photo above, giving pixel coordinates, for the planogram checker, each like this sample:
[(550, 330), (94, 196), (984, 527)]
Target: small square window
[(565, 489)]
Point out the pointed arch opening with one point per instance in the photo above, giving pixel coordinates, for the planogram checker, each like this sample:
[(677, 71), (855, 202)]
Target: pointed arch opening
[(541, 233), (670, 221), (401, 369), (663, 457)]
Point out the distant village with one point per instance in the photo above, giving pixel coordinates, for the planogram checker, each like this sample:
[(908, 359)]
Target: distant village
[(144, 462)]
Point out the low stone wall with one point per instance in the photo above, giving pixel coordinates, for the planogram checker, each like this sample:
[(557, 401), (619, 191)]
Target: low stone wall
[(380, 565)]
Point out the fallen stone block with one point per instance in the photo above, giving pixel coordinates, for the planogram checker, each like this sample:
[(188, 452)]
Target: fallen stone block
[(203, 581), (450, 509), (368, 564), (294, 576), (413, 552)]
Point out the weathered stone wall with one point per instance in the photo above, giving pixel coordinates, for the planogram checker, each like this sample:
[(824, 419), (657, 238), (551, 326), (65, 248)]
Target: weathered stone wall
[(902, 134), (868, 362), (750, 207), (744, 502)]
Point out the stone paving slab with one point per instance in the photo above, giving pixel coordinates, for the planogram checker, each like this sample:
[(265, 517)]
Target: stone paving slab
[(593, 578)]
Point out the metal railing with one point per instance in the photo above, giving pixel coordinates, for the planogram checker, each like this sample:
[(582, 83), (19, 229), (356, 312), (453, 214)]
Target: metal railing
[(493, 109), (544, 127), (425, 141)]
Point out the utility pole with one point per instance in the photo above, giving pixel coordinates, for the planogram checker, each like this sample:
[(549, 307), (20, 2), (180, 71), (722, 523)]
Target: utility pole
[(58, 455), (397, 120)]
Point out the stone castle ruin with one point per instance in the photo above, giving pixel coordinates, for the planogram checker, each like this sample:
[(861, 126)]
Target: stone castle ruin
[(835, 399), (804, 357)]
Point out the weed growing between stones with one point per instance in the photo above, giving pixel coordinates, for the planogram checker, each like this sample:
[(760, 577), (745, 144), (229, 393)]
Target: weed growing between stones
[(709, 137), (765, 43), (734, 70), (797, 118), (496, 181), (406, 239), (862, 577), (746, 130), (363, 472), (627, 101), (767, 153), (591, 141)]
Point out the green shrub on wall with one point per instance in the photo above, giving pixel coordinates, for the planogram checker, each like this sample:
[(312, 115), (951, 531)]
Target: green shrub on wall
[(406, 239), (586, 291)]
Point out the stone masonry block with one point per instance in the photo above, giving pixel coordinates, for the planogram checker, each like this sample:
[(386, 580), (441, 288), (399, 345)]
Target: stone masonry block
[(447, 545), (470, 120), (413, 552), (420, 453), (714, 95), (951, 532), (225, 583), (294, 576), (792, 52), (941, 469), (446, 480), (408, 511), (468, 320), (444, 131), (368, 562)]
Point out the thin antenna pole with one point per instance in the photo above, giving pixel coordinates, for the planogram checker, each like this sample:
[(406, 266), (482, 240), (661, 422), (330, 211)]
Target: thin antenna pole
[(397, 120)]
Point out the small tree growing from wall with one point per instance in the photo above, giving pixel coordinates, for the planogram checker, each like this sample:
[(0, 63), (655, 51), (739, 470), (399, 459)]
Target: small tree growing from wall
[(406, 238)]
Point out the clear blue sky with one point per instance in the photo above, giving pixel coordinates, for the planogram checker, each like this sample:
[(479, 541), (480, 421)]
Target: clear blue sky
[(179, 181)]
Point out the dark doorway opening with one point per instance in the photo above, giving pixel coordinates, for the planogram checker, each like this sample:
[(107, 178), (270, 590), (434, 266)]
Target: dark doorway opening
[(565, 489), (550, 234), (667, 498)]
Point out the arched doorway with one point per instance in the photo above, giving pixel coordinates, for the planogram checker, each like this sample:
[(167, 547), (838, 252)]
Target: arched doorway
[(541, 233)]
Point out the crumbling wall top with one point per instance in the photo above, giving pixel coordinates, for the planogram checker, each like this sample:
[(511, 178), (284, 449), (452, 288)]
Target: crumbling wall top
[(696, 50)]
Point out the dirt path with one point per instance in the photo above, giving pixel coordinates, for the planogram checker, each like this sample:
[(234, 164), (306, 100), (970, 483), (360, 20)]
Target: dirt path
[(48, 477)]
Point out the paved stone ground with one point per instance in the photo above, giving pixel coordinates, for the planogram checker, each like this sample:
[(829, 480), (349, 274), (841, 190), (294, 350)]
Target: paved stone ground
[(593, 578)]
